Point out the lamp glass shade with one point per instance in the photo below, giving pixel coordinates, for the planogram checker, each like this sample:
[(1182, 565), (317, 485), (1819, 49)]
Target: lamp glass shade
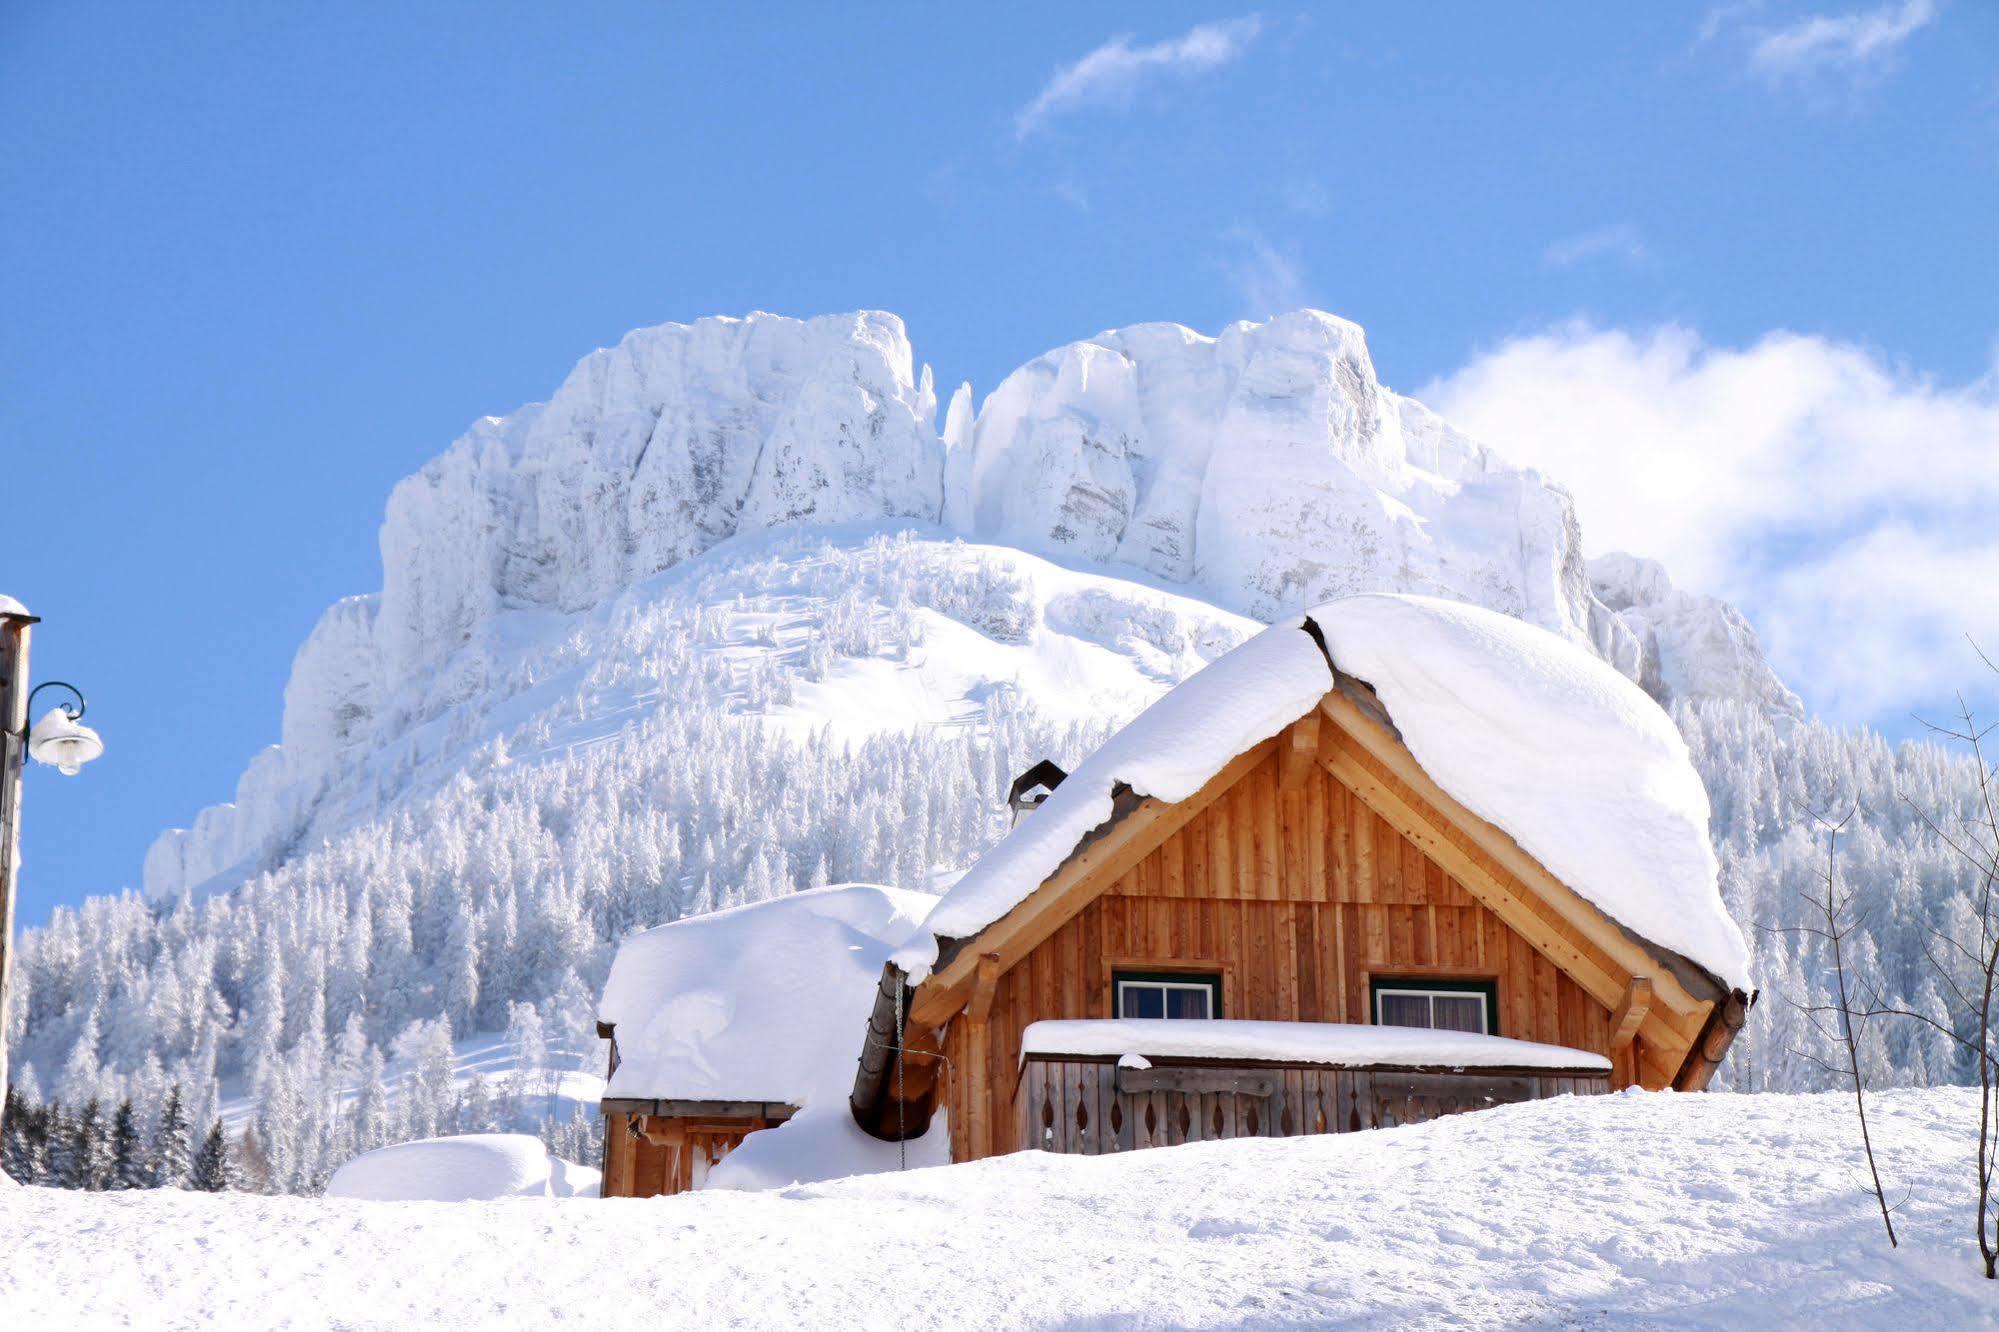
[(63, 742)]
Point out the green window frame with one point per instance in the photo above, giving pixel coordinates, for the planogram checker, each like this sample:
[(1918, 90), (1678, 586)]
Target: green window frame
[(1432, 986), (1165, 985)]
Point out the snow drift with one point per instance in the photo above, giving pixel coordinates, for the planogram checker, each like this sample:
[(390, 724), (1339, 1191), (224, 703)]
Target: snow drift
[(468, 1168)]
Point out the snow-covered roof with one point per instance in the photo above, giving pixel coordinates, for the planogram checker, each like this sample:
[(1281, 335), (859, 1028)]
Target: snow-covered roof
[(764, 1003), (473, 1166), (1340, 1044), (1531, 732), (1543, 739), (758, 1003), (1170, 751)]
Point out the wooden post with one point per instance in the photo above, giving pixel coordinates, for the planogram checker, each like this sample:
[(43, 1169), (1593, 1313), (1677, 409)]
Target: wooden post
[(14, 622), (978, 1085)]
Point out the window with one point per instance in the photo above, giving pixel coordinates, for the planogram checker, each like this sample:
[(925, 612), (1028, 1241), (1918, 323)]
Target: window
[(1446, 1005), (1166, 994)]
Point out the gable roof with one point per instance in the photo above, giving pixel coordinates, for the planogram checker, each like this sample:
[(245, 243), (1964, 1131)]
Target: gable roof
[(757, 1003), (1514, 726)]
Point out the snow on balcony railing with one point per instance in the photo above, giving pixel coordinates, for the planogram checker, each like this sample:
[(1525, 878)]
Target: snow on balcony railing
[(1336, 1044)]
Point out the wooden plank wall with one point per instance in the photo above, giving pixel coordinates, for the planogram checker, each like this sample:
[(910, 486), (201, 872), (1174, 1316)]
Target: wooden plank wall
[(637, 1168), (1075, 1105), (1296, 897)]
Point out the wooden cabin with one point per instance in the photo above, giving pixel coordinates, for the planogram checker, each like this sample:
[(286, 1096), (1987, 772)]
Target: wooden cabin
[(725, 1025), (1316, 935)]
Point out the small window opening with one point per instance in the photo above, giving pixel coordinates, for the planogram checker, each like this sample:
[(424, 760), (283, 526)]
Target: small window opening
[(1441, 1005), (1143, 994)]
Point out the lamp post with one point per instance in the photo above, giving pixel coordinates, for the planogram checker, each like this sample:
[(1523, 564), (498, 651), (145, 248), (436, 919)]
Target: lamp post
[(59, 739)]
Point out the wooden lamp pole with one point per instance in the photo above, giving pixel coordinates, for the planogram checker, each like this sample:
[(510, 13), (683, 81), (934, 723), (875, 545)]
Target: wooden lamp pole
[(14, 625)]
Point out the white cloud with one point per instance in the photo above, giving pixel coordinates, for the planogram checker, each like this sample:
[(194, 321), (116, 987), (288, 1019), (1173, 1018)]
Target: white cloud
[(1858, 44), (1850, 508), (1110, 74), (1267, 281), (1069, 192), (1308, 197), (1620, 241)]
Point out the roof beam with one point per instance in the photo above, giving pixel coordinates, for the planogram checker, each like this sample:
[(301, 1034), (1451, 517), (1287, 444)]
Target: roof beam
[(1298, 752), (1630, 1013), (985, 984)]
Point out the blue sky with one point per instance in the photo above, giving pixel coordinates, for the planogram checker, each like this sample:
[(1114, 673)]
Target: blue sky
[(257, 263)]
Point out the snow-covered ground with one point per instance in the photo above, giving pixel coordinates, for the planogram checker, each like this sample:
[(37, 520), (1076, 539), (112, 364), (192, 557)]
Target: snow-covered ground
[(1647, 1210)]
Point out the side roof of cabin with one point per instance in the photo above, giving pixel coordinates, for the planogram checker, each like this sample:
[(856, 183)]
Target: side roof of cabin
[(756, 1004)]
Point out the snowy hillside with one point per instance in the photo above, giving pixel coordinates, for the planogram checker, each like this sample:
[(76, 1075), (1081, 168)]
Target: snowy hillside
[(861, 628), (1642, 1210)]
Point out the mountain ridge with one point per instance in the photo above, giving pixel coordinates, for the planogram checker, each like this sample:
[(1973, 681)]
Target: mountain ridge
[(1261, 469)]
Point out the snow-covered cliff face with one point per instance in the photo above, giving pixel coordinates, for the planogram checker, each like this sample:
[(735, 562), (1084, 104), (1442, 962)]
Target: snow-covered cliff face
[(652, 451), (1690, 646), (1267, 467), (1263, 470)]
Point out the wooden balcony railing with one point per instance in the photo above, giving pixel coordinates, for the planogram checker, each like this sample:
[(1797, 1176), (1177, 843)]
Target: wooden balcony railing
[(1087, 1105)]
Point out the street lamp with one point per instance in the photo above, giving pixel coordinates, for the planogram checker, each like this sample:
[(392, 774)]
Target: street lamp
[(59, 739)]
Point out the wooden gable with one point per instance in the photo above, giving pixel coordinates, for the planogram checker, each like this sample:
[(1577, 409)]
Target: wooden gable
[(1311, 863)]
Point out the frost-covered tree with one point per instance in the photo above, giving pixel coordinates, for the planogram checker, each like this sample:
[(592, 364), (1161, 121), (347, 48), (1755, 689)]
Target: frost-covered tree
[(19, 1128), (211, 1171), (130, 1166), (527, 1083), (173, 1150), (87, 1158)]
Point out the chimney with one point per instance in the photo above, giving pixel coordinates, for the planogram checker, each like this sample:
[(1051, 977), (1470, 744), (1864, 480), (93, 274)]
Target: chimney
[(1032, 787)]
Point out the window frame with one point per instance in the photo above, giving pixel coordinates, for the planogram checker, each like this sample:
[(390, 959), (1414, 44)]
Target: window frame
[(1431, 987), (1211, 981)]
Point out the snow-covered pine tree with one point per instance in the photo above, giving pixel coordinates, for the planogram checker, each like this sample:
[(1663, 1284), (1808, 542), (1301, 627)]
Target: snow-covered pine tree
[(130, 1167), (16, 1155), (475, 1107), (88, 1160), (210, 1171), (523, 1093), (173, 1151), (371, 1104), (428, 1098), (249, 1165), (39, 1132), (60, 1135)]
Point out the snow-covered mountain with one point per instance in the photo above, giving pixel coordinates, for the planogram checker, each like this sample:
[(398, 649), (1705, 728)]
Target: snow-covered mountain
[(731, 616), (1260, 470)]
